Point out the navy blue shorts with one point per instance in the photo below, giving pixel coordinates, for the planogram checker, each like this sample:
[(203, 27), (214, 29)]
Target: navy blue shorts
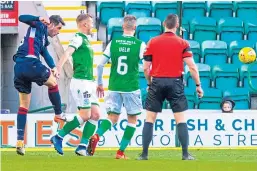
[(171, 89), (27, 72)]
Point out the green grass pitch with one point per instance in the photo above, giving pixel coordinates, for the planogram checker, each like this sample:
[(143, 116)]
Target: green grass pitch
[(159, 160)]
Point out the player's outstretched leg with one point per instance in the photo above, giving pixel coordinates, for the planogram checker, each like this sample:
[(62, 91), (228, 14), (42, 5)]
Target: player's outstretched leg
[(105, 125), (55, 98), (68, 127), (21, 122), (183, 136), (127, 136)]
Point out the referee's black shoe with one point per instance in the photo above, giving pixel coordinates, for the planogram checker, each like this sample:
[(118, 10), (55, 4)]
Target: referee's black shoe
[(142, 157), (188, 157)]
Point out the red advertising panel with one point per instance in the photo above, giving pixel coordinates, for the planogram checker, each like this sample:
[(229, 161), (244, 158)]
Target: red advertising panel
[(9, 13)]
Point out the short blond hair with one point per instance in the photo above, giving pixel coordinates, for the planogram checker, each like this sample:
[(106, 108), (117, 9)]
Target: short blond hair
[(82, 17), (129, 21)]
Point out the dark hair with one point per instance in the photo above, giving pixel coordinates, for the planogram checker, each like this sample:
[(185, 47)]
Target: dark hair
[(171, 21), (56, 19), (83, 17)]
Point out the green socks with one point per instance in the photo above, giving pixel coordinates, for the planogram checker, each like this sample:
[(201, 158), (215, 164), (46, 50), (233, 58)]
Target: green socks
[(88, 131), (128, 134), (69, 126), (104, 126)]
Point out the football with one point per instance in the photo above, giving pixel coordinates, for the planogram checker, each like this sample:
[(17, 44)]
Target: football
[(247, 55)]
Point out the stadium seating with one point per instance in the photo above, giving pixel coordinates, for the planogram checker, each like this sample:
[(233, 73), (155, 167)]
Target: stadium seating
[(162, 8), (246, 9), (114, 28), (240, 96), (225, 76), (195, 48), (211, 99), (191, 97), (185, 26), (108, 10), (251, 29), (203, 28), (194, 9), (215, 32), (139, 8), (244, 76), (205, 76), (147, 28), (231, 29), (214, 52), (235, 47), (220, 9)]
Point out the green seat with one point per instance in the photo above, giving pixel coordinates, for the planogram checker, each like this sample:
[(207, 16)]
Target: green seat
[(139, 8), (220, 9), (205, 76), (211, 99), (186, 28), (147, 28), (195, 48), (235, 47), (251, 29), (114, 28), (225, 76), (194, 9), (108, 10), (162, 9), (244, 76), (241, 97), (203, 28), (231, 29), (214, 52), (246, 9), (191, 97)]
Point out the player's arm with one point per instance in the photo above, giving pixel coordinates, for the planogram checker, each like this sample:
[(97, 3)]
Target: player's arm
[(33, 21), (104, 59), (74, 44), (48, 58), (148, 62), (49, 61), (67, 54)]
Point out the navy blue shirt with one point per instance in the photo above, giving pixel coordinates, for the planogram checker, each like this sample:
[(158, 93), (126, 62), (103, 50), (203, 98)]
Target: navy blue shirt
[(35, 41)]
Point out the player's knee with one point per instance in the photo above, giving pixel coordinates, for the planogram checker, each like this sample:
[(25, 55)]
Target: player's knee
[(85, 114), (95, 116), (150, 116), (132, 119), (51, 82), (114, 118), (179, 117)]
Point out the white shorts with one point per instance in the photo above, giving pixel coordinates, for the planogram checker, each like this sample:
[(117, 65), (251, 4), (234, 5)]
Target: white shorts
[(131, 101), (84, 93)]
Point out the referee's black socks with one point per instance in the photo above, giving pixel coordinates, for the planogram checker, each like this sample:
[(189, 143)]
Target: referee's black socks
[(183, 137), (147, 137)]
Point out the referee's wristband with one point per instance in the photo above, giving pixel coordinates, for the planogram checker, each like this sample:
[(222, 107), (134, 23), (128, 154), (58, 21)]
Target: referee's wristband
[(198, 85)]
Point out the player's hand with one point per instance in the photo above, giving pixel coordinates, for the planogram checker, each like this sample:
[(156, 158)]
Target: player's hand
[(55, 72), (199, 91), (44, 20), (100, 91)]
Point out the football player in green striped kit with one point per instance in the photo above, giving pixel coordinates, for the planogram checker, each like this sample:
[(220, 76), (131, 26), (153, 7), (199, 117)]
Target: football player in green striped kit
[(82, 86), (125, 52)]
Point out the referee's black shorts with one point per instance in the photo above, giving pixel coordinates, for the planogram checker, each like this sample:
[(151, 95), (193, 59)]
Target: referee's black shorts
[(171, 89)]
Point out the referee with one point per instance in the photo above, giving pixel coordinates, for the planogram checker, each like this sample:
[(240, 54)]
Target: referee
[(163, 68)]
